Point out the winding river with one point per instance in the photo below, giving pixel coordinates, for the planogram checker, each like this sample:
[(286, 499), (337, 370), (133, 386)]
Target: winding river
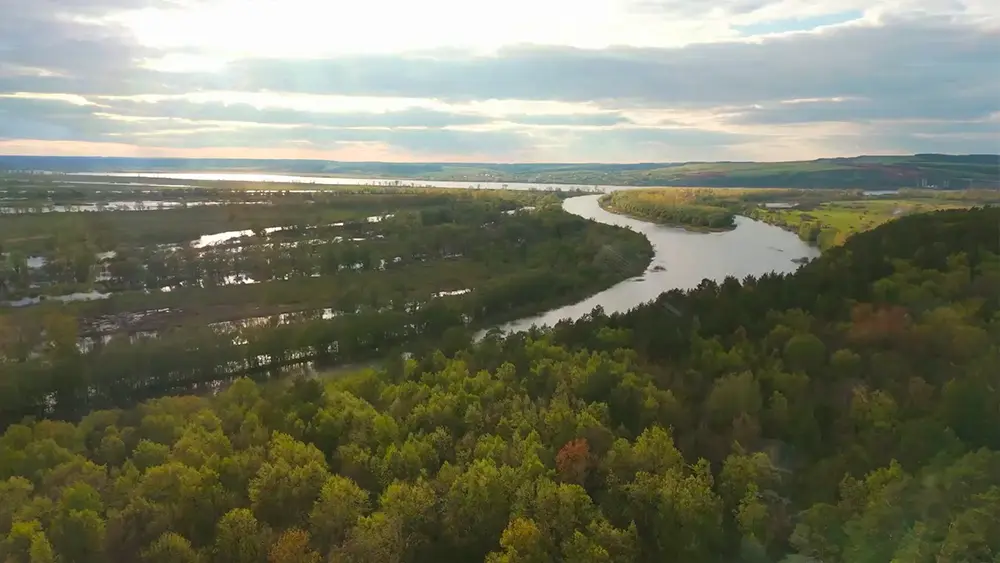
[(681, 260)]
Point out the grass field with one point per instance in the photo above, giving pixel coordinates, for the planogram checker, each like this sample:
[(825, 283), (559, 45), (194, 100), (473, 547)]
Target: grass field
[(830, 223), (856, 216)]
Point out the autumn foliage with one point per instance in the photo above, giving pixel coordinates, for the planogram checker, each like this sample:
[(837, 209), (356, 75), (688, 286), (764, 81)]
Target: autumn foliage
[(573, 461), (871, 324)]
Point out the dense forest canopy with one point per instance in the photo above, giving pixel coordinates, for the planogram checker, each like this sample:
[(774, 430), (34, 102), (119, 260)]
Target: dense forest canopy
[(849, 412)]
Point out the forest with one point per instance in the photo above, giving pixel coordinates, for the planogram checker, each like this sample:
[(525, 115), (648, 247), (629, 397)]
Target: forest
[(849, 412)]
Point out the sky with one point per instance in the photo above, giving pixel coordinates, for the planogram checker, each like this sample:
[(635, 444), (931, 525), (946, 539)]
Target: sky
[(513, 81)]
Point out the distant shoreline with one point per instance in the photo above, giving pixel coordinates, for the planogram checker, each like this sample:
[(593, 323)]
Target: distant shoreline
[(928, 171)]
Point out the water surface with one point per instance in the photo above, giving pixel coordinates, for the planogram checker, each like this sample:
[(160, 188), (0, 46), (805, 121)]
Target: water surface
[(682, 260)]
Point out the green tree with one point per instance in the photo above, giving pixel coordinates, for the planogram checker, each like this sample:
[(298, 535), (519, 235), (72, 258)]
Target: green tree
[(292, 546), (341, 502), (734, 395), (805, 352), (170, 548), (521, 542), (78, 535), (288, 484), (239, 538)]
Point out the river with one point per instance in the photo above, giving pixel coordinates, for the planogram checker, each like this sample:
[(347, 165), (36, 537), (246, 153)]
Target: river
[(682, 260)]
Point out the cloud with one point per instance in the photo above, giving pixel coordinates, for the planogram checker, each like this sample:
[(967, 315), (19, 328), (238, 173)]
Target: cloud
[(842, 77), (424, 142), (215, 111), (178, 125), (963, 106), (47, 119), (413, 116), (898, 59), (55, 35)]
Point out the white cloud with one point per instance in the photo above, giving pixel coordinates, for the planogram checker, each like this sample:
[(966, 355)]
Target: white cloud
[(68, 98)]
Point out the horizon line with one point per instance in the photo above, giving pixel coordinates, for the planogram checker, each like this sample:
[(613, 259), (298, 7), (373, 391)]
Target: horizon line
[(487, 163)]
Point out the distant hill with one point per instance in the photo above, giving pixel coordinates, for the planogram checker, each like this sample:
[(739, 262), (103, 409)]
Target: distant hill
[(921, 170)]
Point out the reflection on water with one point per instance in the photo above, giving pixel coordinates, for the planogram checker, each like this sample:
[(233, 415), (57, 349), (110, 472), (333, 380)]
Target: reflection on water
[(218, 238), (69, 297), (120, 184), (682, 260), (452, 293), (108, 206)]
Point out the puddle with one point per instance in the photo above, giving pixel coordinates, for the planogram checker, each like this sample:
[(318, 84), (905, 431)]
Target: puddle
[(232, 279), (67, 298), (218, 238), (150, 205), (519, 210), (452, 293)]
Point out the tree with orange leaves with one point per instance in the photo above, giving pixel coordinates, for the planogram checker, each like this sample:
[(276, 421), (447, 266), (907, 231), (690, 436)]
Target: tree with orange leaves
[(574, 460)]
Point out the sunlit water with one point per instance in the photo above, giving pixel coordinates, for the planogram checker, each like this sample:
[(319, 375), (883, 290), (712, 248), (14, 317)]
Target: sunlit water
[(152, 205), (67, 298)]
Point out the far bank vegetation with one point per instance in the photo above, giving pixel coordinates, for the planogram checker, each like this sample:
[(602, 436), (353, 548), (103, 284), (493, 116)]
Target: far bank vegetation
[(681, 207)]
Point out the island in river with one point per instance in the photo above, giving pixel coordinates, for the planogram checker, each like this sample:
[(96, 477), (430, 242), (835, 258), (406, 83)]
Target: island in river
[(676, 207)]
